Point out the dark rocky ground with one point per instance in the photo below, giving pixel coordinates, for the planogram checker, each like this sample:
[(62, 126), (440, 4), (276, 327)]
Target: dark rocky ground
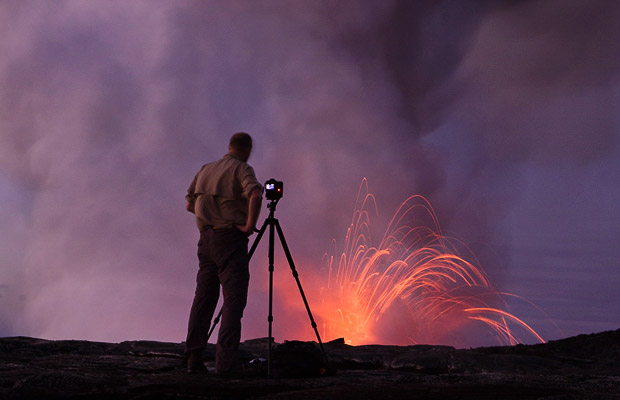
[(582, 367)]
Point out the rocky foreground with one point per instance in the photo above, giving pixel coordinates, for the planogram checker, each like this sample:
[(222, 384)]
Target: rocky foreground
[(582, 367)]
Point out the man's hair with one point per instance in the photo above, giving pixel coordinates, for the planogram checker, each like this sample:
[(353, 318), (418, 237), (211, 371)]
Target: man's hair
[(241, 141)]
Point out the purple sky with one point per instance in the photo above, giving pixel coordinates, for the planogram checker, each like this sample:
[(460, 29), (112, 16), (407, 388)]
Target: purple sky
[(504, 114)]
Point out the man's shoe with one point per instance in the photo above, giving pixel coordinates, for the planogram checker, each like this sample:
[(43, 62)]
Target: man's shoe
[(195, 364)]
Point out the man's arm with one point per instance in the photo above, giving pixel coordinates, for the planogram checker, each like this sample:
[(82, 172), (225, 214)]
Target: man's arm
[(190, 197), (190, 204), (254, 205)]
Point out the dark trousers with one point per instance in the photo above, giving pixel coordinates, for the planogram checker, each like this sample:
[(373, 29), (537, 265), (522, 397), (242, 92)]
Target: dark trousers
[(223, 260)]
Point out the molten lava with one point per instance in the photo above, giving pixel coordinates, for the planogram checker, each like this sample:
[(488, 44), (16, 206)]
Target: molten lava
[(416, 286)]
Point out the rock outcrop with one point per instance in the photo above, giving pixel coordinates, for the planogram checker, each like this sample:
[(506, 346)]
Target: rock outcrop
[(582, 367)]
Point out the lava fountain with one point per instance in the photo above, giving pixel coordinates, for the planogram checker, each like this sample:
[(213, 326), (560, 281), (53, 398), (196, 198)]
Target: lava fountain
[(416, 286)]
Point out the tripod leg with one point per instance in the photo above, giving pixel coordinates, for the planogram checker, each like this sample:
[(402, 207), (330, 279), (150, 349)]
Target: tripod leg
[(270, 317), (215, 322), (257, 240), (301, 290)]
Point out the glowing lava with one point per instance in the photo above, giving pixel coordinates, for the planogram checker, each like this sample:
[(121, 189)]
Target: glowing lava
[(416, 286)]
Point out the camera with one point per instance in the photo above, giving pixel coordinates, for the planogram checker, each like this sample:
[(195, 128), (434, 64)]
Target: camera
[(273, 189)]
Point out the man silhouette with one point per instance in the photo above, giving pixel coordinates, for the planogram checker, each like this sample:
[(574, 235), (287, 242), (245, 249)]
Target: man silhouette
[(226, 199)]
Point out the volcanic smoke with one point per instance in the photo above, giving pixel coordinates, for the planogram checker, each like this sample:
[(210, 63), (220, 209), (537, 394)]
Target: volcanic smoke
[(426, 285)]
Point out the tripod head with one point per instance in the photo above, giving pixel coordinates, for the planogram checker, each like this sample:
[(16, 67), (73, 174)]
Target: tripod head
[(272, 205)]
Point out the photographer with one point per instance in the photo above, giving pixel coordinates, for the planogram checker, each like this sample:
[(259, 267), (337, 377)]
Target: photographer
[(226, 199)]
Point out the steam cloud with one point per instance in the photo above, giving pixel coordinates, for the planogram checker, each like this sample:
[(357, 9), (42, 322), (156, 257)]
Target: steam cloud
[(107, 110)]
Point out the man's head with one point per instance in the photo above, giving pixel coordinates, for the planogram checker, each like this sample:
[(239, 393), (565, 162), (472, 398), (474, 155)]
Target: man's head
[(241, 145)]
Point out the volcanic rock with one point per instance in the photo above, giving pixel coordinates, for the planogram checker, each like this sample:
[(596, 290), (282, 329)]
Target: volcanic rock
[(582, 367)]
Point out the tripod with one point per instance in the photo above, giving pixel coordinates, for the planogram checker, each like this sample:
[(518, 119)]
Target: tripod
[(273, 222)]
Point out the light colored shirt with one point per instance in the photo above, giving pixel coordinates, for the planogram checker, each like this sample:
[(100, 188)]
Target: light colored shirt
[(220, 193)]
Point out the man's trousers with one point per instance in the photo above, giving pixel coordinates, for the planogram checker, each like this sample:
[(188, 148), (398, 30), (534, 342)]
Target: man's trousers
[(223, 261)]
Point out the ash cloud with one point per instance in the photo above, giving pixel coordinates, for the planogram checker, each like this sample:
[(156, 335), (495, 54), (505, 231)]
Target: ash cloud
[(107, 111)]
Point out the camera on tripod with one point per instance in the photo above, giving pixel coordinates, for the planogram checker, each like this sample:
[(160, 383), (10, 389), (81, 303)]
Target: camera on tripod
[(273, 189)]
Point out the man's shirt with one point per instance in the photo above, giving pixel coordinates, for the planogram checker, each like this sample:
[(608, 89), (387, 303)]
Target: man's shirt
[(220, 193)]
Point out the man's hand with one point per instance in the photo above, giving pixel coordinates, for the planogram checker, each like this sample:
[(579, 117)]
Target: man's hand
[(245, 230), (256, 199)]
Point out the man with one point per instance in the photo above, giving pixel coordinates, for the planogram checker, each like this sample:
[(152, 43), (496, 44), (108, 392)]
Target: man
[(226, 199)]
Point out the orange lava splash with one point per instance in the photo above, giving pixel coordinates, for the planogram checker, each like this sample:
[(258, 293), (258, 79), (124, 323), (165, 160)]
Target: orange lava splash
[(416, 286)]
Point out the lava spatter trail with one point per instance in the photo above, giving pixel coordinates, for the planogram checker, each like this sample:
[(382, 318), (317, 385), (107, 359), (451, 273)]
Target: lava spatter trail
[(423, 286)]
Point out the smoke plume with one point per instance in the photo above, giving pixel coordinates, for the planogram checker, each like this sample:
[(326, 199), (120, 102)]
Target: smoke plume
[(107, 110)]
